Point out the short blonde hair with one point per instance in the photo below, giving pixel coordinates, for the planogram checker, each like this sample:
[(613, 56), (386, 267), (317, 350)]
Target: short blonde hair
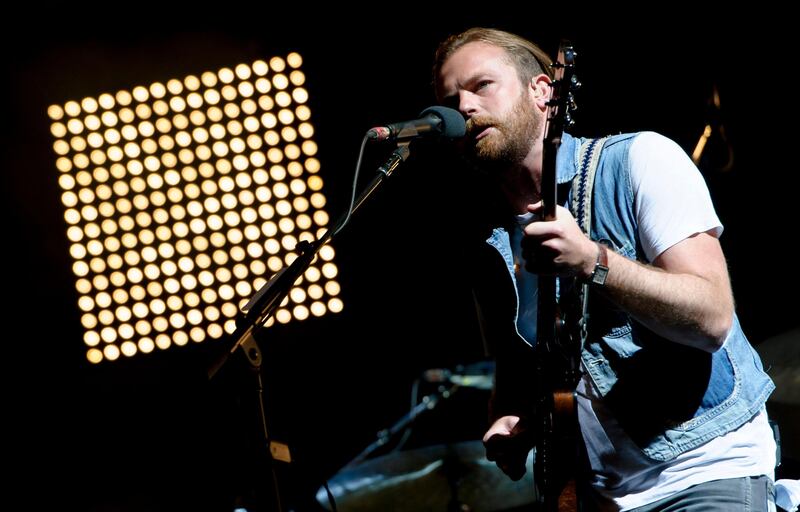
[(528, 59)]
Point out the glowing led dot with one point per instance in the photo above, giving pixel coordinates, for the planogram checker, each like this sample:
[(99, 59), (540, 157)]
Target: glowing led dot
[(197, 334), (160, 323), (158, 307), (275, 155), (226, 75), (108, 334), (126, 331), (180, 338), (286, 225), (69, 199), (275, 263), (143, 111), (128, 348), (260, 67), (215, 331), (55, 112), (163, 341), (92, 122), (188, 282), (95, 248), (72, 108), (81, 161), (78, 143), (64, 164), (292, 151), (272, 246), (283, 316), (157, 90), (318, 308), (94, 355), (138, 292), (146, 345), (126, 115), (140, 93), (312, 274), (246, 89), (283, 207), (177, 104), (312, 165), (326, 253), (175, 86), (283, 99), (300, 312), (58, 129), (329, 270), (277, 64), (86, 303), (320, 218), (309, 148), (120, 296), (297, 295), (300, 95), (315, 291), (180, 121), (335, 305)]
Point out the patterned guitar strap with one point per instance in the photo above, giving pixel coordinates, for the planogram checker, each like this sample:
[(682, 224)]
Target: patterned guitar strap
[(581, 208)]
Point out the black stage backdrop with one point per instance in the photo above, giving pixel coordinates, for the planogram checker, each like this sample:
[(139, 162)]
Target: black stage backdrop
[(150, 433)]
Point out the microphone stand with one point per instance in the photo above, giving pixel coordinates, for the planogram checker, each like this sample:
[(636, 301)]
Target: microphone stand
[(263, 304)]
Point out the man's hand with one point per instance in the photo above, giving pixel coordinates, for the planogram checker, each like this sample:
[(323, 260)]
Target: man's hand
[(557, 247), (507, 443)]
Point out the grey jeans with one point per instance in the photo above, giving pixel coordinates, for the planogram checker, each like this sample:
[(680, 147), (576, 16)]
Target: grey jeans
[(747, 494)]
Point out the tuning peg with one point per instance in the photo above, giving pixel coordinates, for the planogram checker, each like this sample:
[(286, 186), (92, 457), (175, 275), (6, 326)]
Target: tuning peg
[(572, 105)]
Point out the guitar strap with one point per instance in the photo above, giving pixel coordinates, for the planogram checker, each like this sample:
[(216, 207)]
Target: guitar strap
[(581, 208), (583, 182)]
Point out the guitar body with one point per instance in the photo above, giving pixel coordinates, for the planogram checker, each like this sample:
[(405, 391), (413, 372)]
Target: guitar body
[(558, 343)]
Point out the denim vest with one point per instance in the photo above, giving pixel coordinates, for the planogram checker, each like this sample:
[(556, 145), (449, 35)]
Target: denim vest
[(669, 398)]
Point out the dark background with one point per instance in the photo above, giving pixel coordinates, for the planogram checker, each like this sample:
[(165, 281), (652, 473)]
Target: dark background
[(150, 433)]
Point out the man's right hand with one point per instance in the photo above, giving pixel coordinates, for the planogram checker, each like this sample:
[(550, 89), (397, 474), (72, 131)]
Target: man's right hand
[(507, 443)]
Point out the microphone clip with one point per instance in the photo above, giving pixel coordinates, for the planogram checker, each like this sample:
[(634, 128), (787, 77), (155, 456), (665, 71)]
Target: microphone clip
[(397, 157)]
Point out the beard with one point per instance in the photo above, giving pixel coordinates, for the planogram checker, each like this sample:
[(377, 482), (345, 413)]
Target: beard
[(510, 141)]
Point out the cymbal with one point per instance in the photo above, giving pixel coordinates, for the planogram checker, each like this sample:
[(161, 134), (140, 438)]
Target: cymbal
[(432, 478), (781, 357)]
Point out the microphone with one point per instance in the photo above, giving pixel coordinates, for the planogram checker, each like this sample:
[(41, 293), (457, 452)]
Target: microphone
[(435, 120)]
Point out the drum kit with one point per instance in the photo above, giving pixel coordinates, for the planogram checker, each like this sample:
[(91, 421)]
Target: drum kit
[(456, 476), (449, 476)]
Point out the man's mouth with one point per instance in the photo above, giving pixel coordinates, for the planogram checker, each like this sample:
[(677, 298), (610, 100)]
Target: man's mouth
[(481, 132), (477, 131)]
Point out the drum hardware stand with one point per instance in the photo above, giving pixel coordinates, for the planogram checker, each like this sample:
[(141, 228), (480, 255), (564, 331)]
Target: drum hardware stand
[(428, 403)]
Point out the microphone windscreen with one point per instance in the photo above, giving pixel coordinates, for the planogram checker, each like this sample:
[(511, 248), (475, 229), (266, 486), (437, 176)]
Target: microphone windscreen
[(453, 124)]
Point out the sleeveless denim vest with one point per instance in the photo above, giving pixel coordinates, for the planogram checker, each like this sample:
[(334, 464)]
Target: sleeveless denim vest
[(668, 397)]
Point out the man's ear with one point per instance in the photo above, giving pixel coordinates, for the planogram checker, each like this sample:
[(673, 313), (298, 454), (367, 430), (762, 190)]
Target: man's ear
[(541, 90)]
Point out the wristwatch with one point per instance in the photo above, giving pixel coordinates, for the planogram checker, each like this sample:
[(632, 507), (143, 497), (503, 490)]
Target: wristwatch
[(600, 271)]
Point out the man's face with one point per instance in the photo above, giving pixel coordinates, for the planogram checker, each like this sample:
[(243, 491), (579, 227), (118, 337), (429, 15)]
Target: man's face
[(502, 121)]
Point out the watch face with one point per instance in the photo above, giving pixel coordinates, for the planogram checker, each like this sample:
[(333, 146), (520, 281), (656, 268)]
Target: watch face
[(599, 276)]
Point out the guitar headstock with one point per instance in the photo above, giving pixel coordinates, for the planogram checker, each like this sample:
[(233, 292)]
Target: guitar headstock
[(562, 100)]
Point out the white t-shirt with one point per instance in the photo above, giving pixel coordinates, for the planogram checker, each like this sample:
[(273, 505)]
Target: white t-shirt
[(672, 203)]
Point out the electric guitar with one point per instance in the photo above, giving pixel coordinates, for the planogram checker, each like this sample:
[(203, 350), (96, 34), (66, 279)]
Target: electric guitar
[(557, 348)]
